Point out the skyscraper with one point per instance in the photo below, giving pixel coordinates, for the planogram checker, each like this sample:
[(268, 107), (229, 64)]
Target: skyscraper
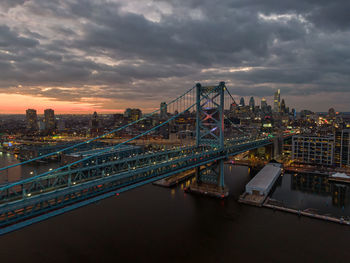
[(241, 102), (95, 124), (263, 105), (127, 113), (163, 110), (277, 101), (252, 103), (50, 122), (95, 121), (283, 106), (135, 114), (32, 120), (294, 113)]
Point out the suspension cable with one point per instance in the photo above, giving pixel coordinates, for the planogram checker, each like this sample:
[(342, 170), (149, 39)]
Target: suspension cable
[(96, 138)]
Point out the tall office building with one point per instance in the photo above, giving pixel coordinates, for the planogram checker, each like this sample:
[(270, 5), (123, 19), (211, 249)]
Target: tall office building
[(50, 122), (252, 103), (95, 121), (32, 120), (283, 106), (277, 101), (135, 114), (127, 113), (294, 113), (163, 110), (95, 124), (342, 148), (241, 102), (263, 105)]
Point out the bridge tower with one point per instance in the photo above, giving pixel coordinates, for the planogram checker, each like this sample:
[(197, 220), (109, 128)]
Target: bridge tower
[(210, 134)]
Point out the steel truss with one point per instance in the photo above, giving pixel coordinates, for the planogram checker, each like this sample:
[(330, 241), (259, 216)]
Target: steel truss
[(210, 130), (61, 189)]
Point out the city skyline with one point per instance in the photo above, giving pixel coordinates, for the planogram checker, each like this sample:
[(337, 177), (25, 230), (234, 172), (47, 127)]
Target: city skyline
[(268, 100), (81, 59)]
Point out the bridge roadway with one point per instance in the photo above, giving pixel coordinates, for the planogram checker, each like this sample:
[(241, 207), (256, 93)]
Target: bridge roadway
[(35, 199)]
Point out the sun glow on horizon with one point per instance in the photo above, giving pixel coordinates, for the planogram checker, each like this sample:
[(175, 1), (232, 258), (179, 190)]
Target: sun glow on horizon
[(17, 104)]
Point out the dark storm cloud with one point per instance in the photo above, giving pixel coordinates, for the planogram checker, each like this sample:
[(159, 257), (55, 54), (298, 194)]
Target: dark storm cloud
[(6, 4), (121, 49), (10, 39)]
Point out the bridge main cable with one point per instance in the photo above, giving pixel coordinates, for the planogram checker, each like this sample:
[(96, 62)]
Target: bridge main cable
[(96, 138)]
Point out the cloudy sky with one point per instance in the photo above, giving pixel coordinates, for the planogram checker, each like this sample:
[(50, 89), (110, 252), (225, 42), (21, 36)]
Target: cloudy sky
[(106, 55)]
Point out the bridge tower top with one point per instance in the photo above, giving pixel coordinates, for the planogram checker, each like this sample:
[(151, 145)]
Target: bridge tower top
[(210, 115)]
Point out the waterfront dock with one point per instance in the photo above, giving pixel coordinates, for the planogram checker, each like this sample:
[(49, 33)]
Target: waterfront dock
[(269, 203), (175, 179), (208, 190), (257, 190), (339, 177), (304, 170), (339, 180)]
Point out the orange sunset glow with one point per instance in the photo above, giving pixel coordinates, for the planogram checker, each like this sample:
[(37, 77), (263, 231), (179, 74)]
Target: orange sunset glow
[(17, 104)]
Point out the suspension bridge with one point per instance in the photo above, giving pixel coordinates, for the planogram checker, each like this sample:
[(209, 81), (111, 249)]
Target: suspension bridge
[(106, 172)]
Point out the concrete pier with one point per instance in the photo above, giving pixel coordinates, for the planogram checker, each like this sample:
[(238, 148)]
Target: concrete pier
[(309, 213), (208, 189), (175, 179), (259, 187)]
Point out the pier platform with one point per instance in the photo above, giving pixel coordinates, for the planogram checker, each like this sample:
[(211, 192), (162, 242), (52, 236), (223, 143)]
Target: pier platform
[(175, 179), (339, 177), (269, 203), (207, 189), (259, 187)]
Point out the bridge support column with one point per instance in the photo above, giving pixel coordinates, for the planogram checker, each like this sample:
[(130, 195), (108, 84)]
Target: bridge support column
[(210, 134)]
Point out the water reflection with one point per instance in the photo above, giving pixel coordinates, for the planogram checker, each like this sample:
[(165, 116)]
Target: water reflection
[(310, 191), (340, 194), (310, 183)]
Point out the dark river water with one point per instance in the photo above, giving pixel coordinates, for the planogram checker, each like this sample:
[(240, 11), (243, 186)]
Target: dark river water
[(154, 224), (308, 191)]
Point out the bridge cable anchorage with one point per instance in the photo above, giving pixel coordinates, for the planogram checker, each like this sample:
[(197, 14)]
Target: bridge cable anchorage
[(98, 137), (100, 152)]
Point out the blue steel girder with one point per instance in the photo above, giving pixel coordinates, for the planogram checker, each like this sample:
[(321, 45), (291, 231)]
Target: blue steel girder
[(75, 176), (210, 115), (61, 179), (127, 177)]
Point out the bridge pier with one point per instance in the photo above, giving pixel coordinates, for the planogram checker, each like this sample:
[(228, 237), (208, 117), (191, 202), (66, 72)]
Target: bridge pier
[(210, 180)]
